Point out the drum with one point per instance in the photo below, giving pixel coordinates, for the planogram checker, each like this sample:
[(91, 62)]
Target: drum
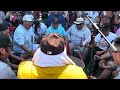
[(76, 53), (78, 61)]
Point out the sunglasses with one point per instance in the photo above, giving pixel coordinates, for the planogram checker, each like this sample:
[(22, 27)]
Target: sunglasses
[(79, 24)]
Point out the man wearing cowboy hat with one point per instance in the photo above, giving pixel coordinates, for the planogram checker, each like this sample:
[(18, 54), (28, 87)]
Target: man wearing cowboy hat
[(79, 36)]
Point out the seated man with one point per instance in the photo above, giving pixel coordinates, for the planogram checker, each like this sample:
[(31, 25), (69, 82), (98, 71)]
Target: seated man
[(56, 28), (24, 38), (5, 49), (4, 29), (50, 61), (100, 43), (79, 35), (110, 68)]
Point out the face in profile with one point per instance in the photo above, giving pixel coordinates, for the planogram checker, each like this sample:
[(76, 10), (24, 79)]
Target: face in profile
[(5, 46), (5, 52)]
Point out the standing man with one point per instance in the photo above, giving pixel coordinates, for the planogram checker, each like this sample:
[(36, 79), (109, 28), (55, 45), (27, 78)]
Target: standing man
[(59, 16)]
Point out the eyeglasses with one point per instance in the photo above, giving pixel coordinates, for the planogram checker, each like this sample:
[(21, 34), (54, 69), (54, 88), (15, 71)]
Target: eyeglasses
[(55, 23)]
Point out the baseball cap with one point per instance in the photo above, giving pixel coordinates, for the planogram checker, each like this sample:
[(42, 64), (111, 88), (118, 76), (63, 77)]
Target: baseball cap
[(4, 26), (28, 18)]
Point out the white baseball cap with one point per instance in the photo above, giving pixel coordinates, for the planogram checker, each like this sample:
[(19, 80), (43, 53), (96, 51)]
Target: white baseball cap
[(28, 18)]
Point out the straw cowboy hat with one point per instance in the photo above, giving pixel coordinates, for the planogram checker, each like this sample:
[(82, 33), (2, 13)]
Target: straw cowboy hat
[(79, 20)]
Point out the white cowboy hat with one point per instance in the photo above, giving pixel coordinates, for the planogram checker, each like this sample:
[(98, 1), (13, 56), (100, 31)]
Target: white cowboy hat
[(79, 20)]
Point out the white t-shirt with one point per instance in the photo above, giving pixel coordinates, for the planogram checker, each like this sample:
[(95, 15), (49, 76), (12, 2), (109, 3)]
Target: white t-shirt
[(102, 42), (6, 71), (22, 36)]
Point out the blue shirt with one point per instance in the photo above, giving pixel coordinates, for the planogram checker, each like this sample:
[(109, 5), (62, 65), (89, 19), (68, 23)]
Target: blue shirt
[(60, 30), (76, 35), (60, 18)]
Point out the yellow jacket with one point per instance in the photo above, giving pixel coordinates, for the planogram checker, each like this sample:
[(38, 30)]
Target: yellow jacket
[(27, 70)]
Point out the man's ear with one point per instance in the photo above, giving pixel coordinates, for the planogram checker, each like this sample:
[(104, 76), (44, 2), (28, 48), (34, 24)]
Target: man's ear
[(2, 50)]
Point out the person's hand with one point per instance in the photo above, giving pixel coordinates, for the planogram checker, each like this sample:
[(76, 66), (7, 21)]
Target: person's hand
[(102, 65), (43, 33), (32, 52), (87, 45), (96, 57), (21, 59), (81, 44), (98, 52)]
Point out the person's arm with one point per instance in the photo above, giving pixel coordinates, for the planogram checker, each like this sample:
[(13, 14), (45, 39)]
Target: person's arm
[(68, 33), (100, 52), (49, 20), (102, 65), (43, 29), (16, 57), (64, 34), (106, 55), (30, 52), (13, 66), (7, 73), (63, 21), (87, 37)]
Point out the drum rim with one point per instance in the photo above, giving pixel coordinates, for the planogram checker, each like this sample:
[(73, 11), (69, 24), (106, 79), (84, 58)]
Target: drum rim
[(83, 64)]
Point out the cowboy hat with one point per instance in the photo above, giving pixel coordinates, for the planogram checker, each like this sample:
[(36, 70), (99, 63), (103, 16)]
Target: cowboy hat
[(79, 20)]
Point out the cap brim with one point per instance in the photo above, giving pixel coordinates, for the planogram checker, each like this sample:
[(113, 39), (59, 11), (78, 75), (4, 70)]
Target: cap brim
[(77, 22), (28, 20)]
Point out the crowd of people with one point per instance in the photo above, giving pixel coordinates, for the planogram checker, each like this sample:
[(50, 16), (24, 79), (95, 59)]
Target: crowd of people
[(40, 44)]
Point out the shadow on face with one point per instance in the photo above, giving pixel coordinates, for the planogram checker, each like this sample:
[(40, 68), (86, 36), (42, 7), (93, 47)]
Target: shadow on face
[(79, 26), (28, 24), (106, 32)]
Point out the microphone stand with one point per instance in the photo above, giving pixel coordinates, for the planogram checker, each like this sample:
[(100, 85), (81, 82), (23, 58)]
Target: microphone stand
[(89, 66)]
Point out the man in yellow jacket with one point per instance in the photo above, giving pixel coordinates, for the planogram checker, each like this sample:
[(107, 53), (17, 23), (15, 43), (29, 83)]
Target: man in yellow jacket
[(50, 61)]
